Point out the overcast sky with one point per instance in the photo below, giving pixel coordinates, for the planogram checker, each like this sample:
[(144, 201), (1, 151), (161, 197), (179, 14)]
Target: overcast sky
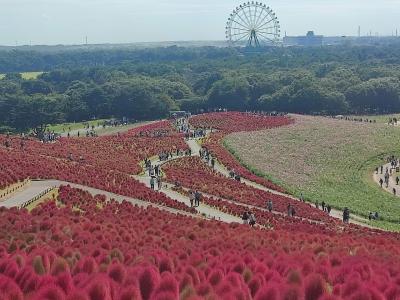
[(124, 21)]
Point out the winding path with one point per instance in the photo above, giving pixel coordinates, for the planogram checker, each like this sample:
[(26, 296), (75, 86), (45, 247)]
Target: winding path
[(38, 187), (392, 182)]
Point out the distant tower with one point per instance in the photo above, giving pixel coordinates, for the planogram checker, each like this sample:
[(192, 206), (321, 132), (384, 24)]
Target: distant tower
[(86, 40), (396, 33), (359, 31)]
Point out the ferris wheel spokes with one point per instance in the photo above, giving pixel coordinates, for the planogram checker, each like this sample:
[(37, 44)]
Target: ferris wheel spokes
[(252, 24)]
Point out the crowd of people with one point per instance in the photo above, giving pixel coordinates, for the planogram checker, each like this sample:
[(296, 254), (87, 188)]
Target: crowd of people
[(205, 155), (355, 119), (393, 121), (166, 155), (183, 126), (153, 133), (388, 172), (249, 218), (154, 173), (234, 175), (195, 198), (325, 207)]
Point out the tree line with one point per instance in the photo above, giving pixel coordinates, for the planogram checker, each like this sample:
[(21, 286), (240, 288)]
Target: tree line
[(147, 84)]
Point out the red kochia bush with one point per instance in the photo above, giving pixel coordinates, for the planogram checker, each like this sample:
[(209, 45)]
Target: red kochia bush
[(121, 251), (314, 287), (117, 272), (99, 288), (148, 281), (9, 289), (49, 292), (130, 293), (267, 292), (168, 288)]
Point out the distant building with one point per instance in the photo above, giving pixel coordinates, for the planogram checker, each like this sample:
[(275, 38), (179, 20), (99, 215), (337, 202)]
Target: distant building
[(312, 40), (308, 40)]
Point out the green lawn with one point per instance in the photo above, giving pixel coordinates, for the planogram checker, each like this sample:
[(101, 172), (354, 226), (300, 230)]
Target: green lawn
[(326, 159), (26, 75), (58, 128)]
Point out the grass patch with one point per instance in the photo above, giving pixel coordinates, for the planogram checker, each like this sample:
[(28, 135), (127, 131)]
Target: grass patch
[(26, 75), (31, 75), (328, 160), (58, 128)]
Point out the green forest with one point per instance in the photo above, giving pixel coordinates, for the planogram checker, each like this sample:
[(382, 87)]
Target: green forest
[(146, 84)]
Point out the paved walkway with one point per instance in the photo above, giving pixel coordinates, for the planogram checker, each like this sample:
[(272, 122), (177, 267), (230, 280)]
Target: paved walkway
[(204, 210), (39, 187), (34, 189), (392, 180)]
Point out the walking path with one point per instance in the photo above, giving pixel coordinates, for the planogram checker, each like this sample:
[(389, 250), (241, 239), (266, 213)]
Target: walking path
[(392, 182), (34, 189), (249, 206), (38, 187), (204, 210)]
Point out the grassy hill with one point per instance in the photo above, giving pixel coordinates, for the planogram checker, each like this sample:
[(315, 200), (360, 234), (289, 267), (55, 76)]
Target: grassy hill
[(328, 160)]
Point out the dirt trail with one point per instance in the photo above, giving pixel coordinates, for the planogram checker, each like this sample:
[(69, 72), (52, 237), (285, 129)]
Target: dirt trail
[(392, 182)]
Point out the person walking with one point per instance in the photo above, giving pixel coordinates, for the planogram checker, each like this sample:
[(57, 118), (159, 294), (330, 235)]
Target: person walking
[(381, 182), (302, 197), (212, 163), (289, 210), (270, 205), (328, 209), (157, 170), (197, 198), (387, 179), (397, 180), (191, 198), (245, 218), (159, 182), (346, 215), (152, 182), (293, 212), (252, 219)]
